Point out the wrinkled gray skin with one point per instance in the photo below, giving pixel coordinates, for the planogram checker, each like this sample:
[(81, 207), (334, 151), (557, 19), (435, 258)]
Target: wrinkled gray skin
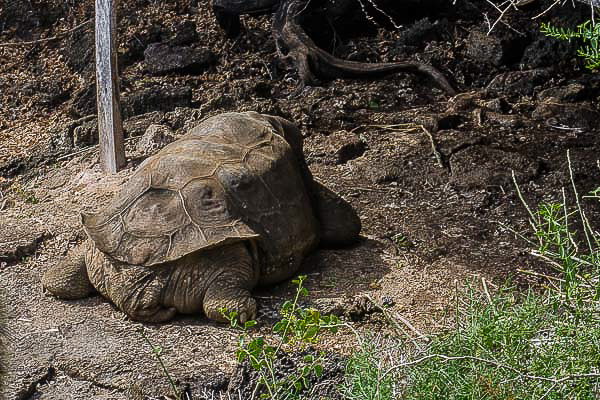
[(228, 206)]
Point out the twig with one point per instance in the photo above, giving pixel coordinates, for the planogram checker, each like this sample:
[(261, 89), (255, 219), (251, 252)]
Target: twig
[(558, 266), (587, 229), (92, 147), (397, 325), (411, 327), (502, 12), (531, 215), (59, 36), (539, 275), (485, 289), (368, 189), (76, 153), (404, 128), (546, 10), (375, 6), (436, 152)]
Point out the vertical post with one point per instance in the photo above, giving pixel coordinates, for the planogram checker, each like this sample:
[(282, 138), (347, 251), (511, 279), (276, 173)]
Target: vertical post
[(110, 128)]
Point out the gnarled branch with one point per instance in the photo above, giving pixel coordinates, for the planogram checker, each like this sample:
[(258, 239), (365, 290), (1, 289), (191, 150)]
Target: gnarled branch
[(312, 61)]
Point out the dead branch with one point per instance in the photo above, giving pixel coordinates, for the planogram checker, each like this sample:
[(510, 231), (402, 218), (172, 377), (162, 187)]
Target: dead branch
[(312, 62)]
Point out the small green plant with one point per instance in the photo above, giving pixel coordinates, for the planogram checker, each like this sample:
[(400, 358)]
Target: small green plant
[(588, 33), (401, 241), (26, 195), (157, 351), (573, 253), (297, 328)]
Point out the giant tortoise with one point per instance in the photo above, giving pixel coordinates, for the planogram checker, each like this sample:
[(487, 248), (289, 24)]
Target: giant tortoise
[(230, 205)]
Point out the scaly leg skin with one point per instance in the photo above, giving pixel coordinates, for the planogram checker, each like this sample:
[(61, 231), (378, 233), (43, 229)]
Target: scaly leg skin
[(140, 297), (69, 278), (231, 286), (135, 289)]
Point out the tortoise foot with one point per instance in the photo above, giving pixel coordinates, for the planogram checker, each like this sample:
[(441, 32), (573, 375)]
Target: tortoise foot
[(232, 299)]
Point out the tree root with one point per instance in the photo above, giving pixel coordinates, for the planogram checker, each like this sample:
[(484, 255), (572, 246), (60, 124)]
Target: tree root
[(313, 62)]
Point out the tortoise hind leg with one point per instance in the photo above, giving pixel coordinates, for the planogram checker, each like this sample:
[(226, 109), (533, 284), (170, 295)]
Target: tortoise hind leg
[(340, 225), (230, 289), (69, 278)]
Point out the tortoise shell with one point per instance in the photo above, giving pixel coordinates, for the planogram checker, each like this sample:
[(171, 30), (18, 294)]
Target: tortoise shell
[(233, 177)]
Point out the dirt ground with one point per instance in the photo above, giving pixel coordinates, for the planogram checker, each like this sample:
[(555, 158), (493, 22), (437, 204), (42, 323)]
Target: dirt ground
[(429, 174)]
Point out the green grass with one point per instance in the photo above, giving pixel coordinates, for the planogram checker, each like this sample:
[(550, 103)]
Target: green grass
[(516, 346), (364, 375)]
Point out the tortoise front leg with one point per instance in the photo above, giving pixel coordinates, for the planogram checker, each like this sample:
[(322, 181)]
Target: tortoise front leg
[(236, 274), (69, 278), (139, 295), (137, 290)]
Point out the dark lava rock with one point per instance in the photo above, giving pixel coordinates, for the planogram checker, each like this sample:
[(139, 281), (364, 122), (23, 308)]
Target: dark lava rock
[(546, 52), (263, 89), (569, 93), (350, 150), (46, 93), (485, 48), (465, 101), (567, 115), (78, 51), (182, 33), (26, 244), (27, 15), (176, 33), (69, 136), (182, 119), (356, 308), (421, 32), (155, 138), (450, 121), (83, 102), (480, 166), (518, 82), (341, 147), (347, 146), (386, 172), (505, 120), (136, 126), (156, 98), (161, 59), (85, 134), (498, 105)]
